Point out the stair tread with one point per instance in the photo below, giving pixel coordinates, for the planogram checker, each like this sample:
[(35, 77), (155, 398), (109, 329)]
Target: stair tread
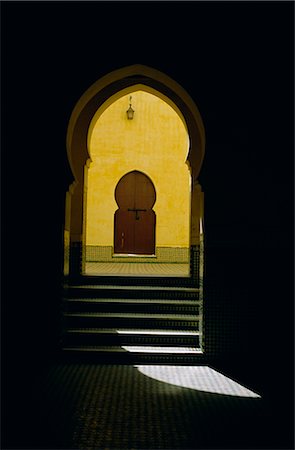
[(136, 349), (172, 332), (133, 315), (140, 288), (135, 301), (134, 331)]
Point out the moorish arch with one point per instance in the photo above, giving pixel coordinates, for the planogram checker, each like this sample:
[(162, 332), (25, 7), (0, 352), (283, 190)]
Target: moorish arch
[(95, 101)]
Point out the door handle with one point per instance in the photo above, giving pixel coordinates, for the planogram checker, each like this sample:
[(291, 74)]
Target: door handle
[(136, 212)]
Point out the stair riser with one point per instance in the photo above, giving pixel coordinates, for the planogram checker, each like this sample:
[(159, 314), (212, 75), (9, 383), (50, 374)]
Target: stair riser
[(131, 294), (135, 306), (123, 322), (131, 358), (124, 307), (76, 339), (137, 281)]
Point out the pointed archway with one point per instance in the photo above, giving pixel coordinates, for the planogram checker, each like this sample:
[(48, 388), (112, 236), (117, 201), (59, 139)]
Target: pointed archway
[(98, 97)]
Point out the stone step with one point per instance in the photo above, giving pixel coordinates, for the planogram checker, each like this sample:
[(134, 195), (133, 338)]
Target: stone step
[(131, 305), (134, 354), (133, 322), (147, 337), (136, 280), (130, 320), (131, 292)]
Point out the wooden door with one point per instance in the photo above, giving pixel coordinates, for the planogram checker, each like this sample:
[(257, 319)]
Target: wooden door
[(135, 221)]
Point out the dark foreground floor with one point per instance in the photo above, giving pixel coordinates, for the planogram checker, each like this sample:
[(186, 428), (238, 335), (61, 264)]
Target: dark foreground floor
[(89, 406)]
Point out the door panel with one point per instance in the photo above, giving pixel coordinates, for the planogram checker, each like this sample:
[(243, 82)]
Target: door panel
[(124, 232), (135, 190), (144, 233)]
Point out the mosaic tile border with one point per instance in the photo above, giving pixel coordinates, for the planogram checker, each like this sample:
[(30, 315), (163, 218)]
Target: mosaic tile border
[(163, 255)]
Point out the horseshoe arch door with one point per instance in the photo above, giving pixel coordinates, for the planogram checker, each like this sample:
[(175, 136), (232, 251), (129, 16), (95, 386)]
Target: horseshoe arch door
[(135, 220)]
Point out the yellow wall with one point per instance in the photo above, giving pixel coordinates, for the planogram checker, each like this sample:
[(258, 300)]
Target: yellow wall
[(154, 142)]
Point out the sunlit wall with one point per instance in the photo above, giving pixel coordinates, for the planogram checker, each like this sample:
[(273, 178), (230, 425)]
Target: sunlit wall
[(154, 142)]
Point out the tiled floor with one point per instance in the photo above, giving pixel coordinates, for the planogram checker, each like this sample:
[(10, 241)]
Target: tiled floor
[(141, 269), (99, 407)]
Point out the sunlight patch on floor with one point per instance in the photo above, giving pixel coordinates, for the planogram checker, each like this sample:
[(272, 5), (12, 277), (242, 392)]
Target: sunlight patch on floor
[(200, 378)]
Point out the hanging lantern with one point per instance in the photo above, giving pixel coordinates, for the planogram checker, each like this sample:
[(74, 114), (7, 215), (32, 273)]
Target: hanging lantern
[(130, 110)]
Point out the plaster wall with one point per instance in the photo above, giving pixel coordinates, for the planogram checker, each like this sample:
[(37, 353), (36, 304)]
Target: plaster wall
[(155, 142)]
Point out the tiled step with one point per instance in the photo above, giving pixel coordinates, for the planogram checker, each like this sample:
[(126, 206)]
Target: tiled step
[(131, 292), (137, 349), (137, 280), (134, 354), (131, 305), (130, 320), (119, 337)]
